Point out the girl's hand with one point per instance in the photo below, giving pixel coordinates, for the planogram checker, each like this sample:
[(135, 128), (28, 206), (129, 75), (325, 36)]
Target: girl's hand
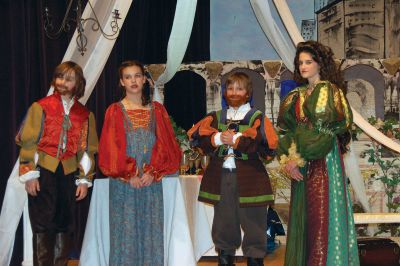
[(146, 179), (293, 170), (81, 191), (32, 187), (135, 182)]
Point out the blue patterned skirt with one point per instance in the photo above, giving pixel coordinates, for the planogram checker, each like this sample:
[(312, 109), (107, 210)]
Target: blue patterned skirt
[(136, 225)]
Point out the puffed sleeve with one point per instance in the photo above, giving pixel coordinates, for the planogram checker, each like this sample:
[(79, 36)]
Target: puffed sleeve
[(329, 114), (28, 138), (260, 137), (89, 146), (166, 153), (113, 160), (202, 134), (287, 122)]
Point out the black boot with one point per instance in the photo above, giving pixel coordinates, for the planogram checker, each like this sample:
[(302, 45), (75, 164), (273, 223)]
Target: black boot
[(255, 261), (225, 259), (43, 249), (61, 249)]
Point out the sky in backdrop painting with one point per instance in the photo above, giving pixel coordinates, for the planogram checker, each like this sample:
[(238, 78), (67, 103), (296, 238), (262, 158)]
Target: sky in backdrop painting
[(236, 34)]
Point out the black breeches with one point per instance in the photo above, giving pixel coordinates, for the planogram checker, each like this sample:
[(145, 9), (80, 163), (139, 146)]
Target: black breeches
[(53, 209)]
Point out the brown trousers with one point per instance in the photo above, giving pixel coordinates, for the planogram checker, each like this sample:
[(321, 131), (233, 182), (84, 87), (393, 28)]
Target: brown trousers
[(229, 217)]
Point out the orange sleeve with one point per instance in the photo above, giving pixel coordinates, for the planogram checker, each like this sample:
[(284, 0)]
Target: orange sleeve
[(270, 133), (166, 154), (113, 160), (204, 127)]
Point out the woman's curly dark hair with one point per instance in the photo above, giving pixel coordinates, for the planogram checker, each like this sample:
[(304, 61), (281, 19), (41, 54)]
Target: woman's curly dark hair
[(323, 55), (147, 91), (328, 71)]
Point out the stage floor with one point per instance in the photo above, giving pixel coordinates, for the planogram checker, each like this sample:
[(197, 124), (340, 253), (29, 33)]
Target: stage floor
[(274, 259)]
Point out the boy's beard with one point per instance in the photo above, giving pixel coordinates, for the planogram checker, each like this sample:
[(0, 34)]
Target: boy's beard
[(64, 91), (237, 101)]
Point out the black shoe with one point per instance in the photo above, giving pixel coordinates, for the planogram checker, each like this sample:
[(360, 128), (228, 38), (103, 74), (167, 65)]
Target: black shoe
[(255, 261), (225, 259)]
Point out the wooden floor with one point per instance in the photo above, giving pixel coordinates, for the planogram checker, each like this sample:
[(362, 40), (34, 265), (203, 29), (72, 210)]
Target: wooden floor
[(274, 259)]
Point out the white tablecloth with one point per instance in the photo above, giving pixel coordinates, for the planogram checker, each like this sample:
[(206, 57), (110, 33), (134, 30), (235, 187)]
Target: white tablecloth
[(186, 224)]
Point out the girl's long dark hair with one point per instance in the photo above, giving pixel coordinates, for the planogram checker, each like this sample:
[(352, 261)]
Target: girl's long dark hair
[(147, 92)]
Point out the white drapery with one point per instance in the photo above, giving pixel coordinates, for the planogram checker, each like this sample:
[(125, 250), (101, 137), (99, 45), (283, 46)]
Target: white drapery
[(285, 50), (288, 21), (177, 43), (178, 39), (92, 63)]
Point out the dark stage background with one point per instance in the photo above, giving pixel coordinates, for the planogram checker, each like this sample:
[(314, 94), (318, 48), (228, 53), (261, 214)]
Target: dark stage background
[(28, 58)]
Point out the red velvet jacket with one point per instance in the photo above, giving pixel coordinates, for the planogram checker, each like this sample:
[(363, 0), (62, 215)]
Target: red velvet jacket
[(52, 126)]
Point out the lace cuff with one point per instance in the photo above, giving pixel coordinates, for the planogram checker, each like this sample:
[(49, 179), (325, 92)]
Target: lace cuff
[(33, 174), (83, 181)]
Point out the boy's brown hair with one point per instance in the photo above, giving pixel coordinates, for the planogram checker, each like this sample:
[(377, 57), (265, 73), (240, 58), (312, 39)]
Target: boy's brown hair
[(242, 79), (66, 67)]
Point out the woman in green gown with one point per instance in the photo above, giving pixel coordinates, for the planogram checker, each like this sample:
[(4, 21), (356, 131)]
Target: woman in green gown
[(314, 121)]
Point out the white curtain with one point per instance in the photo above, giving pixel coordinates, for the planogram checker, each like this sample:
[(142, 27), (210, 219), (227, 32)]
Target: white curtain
[(92, 63), (288, 21), (178, 40), (285, 49)]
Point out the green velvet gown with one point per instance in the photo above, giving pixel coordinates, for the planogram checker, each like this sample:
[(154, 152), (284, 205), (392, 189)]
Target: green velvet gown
[(321, 225)]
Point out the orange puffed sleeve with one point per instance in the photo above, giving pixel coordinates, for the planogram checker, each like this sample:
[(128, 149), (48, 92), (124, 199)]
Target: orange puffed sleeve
[(113, 160), (166, 154)]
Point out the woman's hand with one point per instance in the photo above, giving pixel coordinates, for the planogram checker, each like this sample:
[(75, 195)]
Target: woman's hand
[(32, 187), (81, 191), (135, 182), (147, 179), (293, 170)]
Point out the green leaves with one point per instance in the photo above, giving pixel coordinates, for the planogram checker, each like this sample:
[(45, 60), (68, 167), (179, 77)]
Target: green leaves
[(180, 135), (390, 178), (390, 167)]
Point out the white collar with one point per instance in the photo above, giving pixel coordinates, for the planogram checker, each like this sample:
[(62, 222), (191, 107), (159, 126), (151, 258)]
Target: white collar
[(67, 105), (243, 108), (238, 114)]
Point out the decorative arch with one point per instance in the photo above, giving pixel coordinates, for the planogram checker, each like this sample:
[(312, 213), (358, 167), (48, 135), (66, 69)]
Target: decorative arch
[(374, 77), (286, 75), (360, 94)]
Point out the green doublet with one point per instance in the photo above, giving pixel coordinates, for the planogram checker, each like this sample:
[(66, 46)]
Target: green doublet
[(254, 188), (241, 128)]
